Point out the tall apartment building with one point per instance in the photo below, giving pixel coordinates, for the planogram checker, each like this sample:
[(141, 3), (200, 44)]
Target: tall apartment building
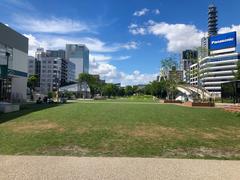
[(60, 54), (79, 55), (52, 68), (50, 78), (13, 65), (34, 68)]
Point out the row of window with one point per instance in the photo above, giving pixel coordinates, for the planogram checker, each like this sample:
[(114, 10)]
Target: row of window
[(233, 57)]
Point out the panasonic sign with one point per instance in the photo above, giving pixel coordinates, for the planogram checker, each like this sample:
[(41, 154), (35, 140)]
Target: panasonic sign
[(223, 43)]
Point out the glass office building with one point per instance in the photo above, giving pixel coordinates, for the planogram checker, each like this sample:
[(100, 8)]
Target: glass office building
[(79, 55)]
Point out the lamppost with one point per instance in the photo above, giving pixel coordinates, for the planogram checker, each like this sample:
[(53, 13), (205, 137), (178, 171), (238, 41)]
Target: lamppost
[(7, 88)]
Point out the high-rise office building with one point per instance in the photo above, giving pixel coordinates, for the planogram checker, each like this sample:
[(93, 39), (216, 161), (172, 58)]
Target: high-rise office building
[(79, 55), (71, 71), (56, 53)]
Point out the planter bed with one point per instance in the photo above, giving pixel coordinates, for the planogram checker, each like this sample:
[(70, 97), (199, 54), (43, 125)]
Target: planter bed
[(172, 101)]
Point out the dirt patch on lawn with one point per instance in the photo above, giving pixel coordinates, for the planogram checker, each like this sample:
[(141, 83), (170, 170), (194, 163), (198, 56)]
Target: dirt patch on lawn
[(153, 131), (203, 152), (36, 126), (215, 133), (73, 150)]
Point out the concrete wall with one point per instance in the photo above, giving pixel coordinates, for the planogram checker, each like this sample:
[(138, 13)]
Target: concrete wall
[(19, 88), (13, 38), (20, 60)]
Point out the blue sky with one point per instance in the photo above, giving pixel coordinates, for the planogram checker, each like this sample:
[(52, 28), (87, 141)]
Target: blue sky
[(127, 38)]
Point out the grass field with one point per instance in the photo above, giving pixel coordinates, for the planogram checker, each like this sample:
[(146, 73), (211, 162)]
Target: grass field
[(113, 128)]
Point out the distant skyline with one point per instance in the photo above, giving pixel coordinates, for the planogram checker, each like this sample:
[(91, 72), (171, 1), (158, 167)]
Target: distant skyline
[(127, 39)]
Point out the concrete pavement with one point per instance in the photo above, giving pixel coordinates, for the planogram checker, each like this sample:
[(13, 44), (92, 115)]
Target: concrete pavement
[(71, 168)]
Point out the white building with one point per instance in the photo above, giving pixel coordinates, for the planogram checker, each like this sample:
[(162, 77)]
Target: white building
[(219, 67), (50, 76), (14, 57)]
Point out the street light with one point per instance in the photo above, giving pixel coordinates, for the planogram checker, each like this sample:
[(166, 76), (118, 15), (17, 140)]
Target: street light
[(7, 55)]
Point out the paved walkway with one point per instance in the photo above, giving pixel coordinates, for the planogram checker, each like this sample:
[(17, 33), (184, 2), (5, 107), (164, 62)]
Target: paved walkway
[(59, 168)]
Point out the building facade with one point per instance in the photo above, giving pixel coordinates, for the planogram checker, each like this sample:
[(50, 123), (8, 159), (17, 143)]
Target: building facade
[(189, 57), (50, 78), (13, 65), (215, 70), (79, 55), (71, 71), (34, 68)]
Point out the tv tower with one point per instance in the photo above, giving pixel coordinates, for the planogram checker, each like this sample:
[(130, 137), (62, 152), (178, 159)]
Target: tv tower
[(212, 20)]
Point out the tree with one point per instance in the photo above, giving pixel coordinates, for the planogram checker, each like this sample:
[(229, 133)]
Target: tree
[(237, 74), (121, 92), (110, 90), (168, 63), (129, 90), (148, 89), (32, 83), (93, 82)]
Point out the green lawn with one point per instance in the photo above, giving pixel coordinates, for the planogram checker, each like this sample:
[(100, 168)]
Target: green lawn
[(112, 128)]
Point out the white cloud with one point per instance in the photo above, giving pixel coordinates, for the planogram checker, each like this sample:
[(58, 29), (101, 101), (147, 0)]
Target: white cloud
[(156, 11), (130, 45), (105, 70), (135, 29), (99, 57), (141, 12), (231, 29), (124, 57), (50, 25), (179, 36), (111, 74), (59, 42)]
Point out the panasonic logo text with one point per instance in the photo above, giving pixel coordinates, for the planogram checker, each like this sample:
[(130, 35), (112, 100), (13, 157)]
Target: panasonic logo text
[(222, 41)]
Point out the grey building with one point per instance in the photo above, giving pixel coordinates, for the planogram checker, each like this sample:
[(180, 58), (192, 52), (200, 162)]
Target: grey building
[(34, 68), (189, 57), (56, 53), (79, 55), (40, 53), (13, 65), (71, 71), (50, 78)]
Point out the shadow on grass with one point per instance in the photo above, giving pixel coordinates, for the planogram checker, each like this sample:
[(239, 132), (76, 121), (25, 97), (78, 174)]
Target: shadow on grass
[(26, 109)]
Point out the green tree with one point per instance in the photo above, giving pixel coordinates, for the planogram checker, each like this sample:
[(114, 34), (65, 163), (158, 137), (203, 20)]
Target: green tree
[(148, 89), (237, 74), (93, 82), (110, 90), (32, 84), (129, 90), (168, 63)]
